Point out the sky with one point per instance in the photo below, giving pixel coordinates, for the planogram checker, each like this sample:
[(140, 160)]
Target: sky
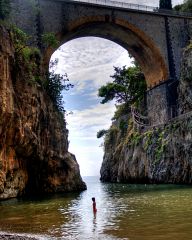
[(89, 64)]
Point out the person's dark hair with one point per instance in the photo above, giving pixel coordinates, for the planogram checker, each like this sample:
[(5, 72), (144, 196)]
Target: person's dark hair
[(93, 199)]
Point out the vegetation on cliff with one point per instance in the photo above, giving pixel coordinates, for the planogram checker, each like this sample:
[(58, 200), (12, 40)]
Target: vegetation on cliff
[(54, 84), (160, 154), (33, 136), (31, 58), (128, 86), (49, 39), (156, 155), (127, 89)]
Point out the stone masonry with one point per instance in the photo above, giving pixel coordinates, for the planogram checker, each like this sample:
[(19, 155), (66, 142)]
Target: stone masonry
[(155, 39)]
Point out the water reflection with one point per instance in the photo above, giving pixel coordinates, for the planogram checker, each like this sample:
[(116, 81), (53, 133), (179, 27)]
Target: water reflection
[(134, 212), (94, 222)]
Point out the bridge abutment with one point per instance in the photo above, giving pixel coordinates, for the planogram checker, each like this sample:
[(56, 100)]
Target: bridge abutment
[(162, 102), (157, 102)]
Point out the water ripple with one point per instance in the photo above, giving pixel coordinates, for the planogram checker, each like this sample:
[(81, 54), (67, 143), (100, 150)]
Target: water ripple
[(135, 212)]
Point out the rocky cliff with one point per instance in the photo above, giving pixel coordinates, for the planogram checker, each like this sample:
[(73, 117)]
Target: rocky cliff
[(34, 155), (162, 154)]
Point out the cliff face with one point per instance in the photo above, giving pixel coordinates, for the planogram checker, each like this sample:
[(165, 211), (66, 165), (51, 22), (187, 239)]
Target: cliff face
[(155, 155), (34, 153)]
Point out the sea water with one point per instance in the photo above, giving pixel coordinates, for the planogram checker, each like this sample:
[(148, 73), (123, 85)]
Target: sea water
[(134, 212)]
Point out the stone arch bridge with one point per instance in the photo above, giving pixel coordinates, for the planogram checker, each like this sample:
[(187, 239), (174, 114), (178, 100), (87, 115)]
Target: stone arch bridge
[(154, 37)]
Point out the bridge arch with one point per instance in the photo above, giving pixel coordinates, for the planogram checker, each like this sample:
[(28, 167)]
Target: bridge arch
[(135, 41)]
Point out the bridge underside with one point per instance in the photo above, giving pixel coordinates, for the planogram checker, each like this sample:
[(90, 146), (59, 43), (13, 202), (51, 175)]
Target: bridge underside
[(136, 43), (140, 46)]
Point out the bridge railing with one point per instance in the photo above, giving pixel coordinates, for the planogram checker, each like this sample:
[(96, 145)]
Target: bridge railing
[(117, 4), (133, 6)]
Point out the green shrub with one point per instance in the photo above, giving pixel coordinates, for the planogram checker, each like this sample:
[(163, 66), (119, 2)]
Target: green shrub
[(19, 38), (157, 142), (148, 139), (50, 40), (121, 110), (30, 53), (123, 125), (111, 135), (178, 7), (54, 85), (187, 6), (135, 138), (101, 133)]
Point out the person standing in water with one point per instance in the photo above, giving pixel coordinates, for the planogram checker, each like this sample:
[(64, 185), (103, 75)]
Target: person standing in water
[(94, 205)]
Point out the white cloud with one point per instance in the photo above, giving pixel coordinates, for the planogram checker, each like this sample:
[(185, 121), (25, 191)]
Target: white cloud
[(90, 59), (85, 123), (83, 126)]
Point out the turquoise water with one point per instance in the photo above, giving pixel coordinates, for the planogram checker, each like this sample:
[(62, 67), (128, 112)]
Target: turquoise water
[(134, 212)]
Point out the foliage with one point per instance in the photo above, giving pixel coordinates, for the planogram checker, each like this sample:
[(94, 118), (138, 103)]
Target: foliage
[(30, 53), (50, 40), (155, 141), (161, 144), (165, 4), (54, 85), (19, 38), (185, 7), (111, 135), (27, 57), (148, 139), (174, 126), (135, 138), (127, 87), (102, 133), (5, 9), (31, 58), (121, 110), (178, 7), (123, 125)]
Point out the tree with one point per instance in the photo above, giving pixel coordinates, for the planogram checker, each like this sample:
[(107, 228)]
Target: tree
[(102, 133), (165, 4), (178, 7), (5, 8), (55, 84), (128, 86), (187, 6)]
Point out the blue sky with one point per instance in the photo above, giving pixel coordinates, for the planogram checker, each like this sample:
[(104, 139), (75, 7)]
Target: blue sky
[(89, 63)]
